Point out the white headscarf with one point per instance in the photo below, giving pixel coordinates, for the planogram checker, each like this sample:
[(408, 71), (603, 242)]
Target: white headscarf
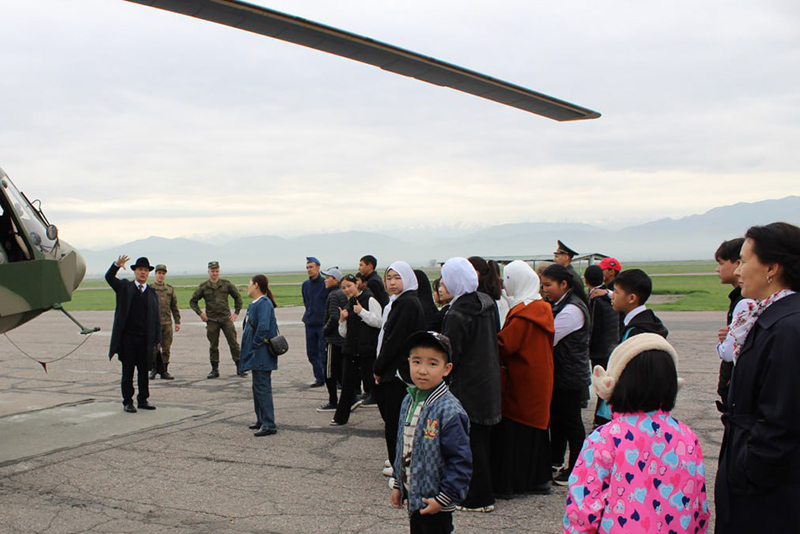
[(409, 283), (521, 283), (459, 277)]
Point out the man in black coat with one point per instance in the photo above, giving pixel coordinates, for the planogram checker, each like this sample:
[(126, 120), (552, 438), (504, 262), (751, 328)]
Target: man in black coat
[(136, 331)]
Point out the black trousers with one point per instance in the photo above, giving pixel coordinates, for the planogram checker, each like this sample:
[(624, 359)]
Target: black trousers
[(367, 379), (333, 371), (441, 523), (566, 425), (134, 355), (351, 383), (480, 487), (389, 396)]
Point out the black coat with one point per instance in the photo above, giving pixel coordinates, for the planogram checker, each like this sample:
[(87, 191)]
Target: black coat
[(758, 481), (405, 318), (125, 291), (645, 322), (375, 284), (605, 328), (330, 328), (472, 325)]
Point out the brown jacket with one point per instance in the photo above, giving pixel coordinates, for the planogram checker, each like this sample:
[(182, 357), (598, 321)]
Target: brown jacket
[(526, 364)]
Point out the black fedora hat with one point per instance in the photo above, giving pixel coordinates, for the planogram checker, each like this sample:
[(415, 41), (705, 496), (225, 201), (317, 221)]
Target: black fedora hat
[(142, 262)]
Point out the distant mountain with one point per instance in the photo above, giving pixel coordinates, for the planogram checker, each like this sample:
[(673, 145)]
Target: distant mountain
[(693, 237)]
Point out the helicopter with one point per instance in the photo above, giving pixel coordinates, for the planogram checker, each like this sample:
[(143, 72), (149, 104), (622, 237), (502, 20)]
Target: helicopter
[(38, 271)]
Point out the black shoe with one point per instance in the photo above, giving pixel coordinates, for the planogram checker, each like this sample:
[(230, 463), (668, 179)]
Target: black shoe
[(327, 407), (334, 423), (316, 384), (242, 374), (369, 402), (254, 426), (562, 479), (540, 489), (266, 432), (145, 406), (165, 375), (129, 408), (214, 373), (152, 374)]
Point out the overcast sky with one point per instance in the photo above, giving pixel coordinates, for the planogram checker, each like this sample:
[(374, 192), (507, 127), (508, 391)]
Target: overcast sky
[(128, 121)]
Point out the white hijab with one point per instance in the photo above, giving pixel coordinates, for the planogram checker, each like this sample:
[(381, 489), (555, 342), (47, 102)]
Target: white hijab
[(459, 277), (409, 283), (521, 283)]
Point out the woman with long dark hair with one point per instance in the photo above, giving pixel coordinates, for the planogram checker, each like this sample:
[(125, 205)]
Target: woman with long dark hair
[(758, 480), (571, 374), (260, 326)]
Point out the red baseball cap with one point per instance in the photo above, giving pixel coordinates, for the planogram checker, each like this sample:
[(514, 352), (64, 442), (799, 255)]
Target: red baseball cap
[(611, 263)]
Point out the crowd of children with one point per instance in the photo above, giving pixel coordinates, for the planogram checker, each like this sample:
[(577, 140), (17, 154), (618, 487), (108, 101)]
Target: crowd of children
[(482, 398)]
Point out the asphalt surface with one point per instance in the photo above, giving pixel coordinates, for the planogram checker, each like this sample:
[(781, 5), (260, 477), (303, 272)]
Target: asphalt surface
[(71, 461)]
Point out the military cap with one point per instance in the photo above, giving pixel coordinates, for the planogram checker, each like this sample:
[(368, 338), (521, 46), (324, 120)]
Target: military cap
[(312, 259), (564, 249), (213, 265), (161, 267)]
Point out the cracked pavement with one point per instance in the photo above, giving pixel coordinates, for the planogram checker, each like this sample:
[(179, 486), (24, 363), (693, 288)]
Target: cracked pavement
[(192, 466)]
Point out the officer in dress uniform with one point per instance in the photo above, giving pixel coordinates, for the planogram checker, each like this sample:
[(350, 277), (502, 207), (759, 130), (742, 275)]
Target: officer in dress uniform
[(563, 256), (168, 303), (217, 315)]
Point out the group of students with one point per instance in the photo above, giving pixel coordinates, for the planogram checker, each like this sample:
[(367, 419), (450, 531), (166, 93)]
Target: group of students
[(481, 398)]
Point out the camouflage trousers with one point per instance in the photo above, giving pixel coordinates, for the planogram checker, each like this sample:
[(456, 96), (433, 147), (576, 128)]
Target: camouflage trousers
[(166, 340), (212, 332)]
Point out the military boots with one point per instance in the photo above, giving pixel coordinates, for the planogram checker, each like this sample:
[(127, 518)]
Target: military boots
[(165, 375), (214, 371), (153, 374)]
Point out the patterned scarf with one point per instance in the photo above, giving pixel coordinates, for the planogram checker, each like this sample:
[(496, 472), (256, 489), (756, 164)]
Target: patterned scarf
[(744, 322)]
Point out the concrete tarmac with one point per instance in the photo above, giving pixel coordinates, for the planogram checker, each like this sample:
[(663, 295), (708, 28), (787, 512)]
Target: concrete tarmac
[(72, 461)]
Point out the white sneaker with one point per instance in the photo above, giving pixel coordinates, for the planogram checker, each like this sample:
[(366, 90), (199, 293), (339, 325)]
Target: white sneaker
[(387, 471), (391, 483), (387, 463)]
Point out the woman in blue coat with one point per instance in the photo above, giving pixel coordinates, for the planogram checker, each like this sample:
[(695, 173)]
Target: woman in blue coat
[(260, 325)]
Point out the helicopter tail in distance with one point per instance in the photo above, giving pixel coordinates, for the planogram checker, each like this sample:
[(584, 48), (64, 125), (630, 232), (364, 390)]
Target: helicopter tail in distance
[(37, 270), (271, 23)]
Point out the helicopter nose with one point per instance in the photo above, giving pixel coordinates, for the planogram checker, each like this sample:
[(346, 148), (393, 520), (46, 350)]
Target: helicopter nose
[(80, 270), (76, 271)]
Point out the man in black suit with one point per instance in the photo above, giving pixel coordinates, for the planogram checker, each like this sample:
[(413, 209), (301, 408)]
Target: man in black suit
[(136, 331)]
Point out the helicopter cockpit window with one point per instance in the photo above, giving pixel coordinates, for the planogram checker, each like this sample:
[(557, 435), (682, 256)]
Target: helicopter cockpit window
[(27, 216)]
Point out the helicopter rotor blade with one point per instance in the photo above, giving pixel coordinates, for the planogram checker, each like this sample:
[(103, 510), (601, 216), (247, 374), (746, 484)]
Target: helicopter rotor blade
[(271, 23)]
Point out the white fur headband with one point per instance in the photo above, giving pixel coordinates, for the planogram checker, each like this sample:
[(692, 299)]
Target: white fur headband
[(604, 380)]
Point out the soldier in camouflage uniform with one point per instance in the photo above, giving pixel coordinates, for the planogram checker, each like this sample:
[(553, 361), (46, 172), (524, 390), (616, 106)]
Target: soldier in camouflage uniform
[(217, 316), (169, 310)]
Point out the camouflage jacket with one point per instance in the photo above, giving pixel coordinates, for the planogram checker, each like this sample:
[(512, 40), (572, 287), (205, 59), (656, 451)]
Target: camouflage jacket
[(168, 302), (216, 297)]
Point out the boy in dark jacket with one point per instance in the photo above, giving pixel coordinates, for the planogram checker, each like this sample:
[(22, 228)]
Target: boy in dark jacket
[(330, 330), (432, 471), (603, 318), (632, 288)]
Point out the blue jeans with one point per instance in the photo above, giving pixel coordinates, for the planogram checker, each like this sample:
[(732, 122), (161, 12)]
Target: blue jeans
[(316, 351), (262, 399)]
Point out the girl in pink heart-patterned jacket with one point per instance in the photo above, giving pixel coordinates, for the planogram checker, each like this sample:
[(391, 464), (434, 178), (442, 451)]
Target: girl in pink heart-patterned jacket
[(643, 471)]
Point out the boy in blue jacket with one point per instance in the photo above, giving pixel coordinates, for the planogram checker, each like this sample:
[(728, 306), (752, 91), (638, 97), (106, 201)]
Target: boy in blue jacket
[(433, 466)]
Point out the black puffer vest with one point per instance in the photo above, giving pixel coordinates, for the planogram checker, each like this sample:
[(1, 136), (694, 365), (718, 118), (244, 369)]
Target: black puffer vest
[(571, 355), (361, 339)]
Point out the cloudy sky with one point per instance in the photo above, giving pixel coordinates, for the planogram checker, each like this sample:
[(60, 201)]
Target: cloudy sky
[(129, 121)]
